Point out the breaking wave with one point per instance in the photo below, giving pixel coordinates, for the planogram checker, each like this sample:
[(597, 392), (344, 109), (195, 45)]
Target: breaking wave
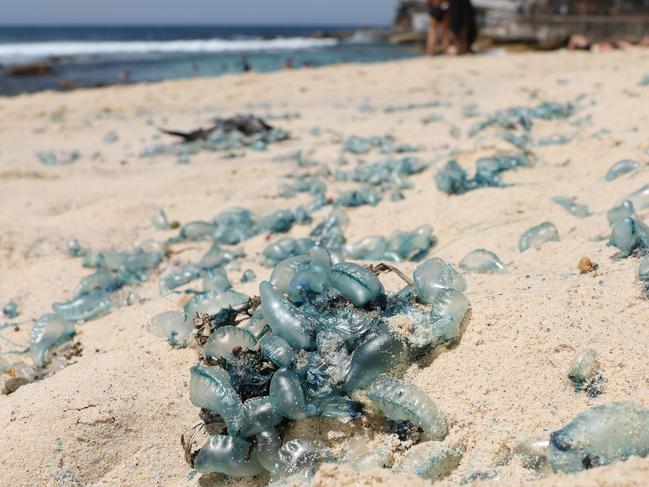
[(13, 52)]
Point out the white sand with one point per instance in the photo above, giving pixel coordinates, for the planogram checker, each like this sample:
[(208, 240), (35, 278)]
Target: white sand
[(115, 416)]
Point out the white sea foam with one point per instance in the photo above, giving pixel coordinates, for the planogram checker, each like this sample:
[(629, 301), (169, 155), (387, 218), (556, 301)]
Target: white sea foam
[(38, 50)]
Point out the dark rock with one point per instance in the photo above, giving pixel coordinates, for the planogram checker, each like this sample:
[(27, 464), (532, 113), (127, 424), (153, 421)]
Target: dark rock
[(31, 69)]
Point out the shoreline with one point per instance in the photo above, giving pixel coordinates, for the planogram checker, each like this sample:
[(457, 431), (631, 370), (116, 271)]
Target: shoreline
[(240, 76), (411, 51), (115, 414), (59, 59)]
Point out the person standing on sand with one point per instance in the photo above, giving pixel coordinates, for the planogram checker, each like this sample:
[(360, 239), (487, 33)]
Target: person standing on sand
[(456, 16), (462, 23), (437, 10)]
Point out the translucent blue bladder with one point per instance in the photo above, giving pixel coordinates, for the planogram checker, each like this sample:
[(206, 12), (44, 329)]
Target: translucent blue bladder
[(179, 277), (430, 460), (48, 332), (89, 306), (435, 275), (173, 326), (300, 456), (620, 168), (228, 455), (225, 339), (572, 207), (212, 302), (10, 310), (481, 261), (452, 179), (619, 212), (601, 435), (160, 221), (210, 388), (401, 401), (538, 235), (377, 355), (286, 320), (287, 396), (629, 234), (640, 198), (355, 283), (400, 246)]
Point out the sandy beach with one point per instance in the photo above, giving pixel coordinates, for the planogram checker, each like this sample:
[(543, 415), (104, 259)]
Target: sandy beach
[(115, 414)]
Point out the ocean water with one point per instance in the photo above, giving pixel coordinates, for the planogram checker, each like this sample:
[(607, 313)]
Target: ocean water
[(90, 56)]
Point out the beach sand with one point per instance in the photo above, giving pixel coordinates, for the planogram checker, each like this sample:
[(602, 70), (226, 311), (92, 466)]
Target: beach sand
[(115, 415)]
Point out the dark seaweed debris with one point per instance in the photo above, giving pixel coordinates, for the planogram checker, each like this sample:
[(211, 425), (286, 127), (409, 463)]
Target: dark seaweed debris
[(250, 373), (247, 125), (238, 132)]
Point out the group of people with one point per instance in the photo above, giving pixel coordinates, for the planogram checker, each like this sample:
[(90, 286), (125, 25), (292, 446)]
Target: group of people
[(456, 21)]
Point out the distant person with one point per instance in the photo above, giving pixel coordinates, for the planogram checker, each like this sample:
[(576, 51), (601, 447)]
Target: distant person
[(438, 12), (579, 42), (456, 17), (463, 24), (288, 63), (246, 65), (124, 75)]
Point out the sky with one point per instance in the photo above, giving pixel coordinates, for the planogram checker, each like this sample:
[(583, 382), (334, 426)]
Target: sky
[(322, 12)]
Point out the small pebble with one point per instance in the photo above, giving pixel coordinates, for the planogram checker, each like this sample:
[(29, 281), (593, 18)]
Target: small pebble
[(586, 265)]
